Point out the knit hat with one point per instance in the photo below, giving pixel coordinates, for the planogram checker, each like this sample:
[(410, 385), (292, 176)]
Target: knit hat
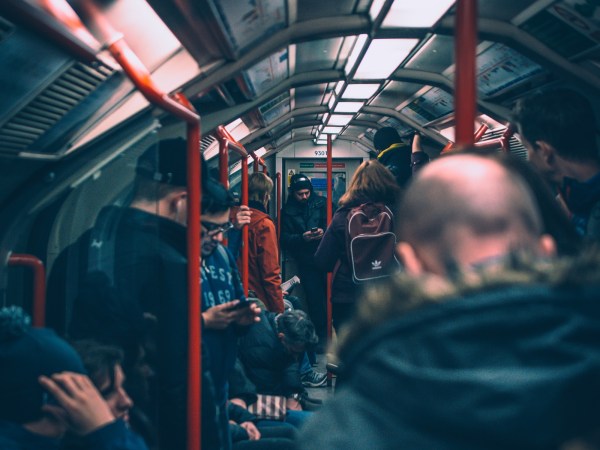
[(385, 137), (299, 182), (25, 354), (166, 162)]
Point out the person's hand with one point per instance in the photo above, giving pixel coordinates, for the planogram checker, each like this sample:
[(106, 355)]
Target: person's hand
[(253, 433), (220, 316), (293, 404), (247, 316), (416, 143), (79, 402), (242, 217), (310, 236)]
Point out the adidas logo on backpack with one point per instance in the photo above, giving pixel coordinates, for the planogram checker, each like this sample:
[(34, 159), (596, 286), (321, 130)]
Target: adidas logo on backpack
[(371, 242)]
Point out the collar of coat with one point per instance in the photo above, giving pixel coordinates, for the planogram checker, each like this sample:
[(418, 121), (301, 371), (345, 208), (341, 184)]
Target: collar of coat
[(402, 293)]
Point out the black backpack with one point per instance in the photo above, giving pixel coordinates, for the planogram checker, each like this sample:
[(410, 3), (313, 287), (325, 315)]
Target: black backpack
[(371, 242)]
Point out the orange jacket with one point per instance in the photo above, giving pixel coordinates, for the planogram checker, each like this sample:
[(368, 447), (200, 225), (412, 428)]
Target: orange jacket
[(264, 272)]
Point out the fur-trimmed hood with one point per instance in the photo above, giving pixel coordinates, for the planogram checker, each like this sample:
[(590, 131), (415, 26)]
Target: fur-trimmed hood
[(400, 294)]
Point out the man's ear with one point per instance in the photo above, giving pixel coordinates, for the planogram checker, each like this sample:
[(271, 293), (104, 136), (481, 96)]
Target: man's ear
[(409, 259), (547, 152), (547, 246)]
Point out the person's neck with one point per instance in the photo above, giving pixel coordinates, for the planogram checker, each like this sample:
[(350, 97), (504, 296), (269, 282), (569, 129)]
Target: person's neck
[(579, 171)]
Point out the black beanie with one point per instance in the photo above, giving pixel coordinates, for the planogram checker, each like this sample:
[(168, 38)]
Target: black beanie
[(25, 354), (299, 182), (385, 137)]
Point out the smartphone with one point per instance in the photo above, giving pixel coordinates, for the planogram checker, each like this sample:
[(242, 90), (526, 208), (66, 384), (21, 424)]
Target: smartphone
[(314, 230), (241, 305)]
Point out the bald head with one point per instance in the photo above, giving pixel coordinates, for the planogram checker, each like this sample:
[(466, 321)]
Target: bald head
[(465, 208)]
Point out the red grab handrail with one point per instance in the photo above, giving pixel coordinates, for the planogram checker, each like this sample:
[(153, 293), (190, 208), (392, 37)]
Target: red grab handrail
[(227, 142), (465, 92), (182, 109), (278, 200), (39, 284)]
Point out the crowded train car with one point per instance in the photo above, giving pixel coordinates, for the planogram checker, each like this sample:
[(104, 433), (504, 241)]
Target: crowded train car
[(299, 224)]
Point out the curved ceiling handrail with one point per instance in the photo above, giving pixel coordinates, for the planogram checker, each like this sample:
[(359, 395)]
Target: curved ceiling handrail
[(213, 120), (296, 112), (528, 45)]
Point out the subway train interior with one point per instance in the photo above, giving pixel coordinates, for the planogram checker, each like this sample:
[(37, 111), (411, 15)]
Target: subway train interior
[(277, 86)]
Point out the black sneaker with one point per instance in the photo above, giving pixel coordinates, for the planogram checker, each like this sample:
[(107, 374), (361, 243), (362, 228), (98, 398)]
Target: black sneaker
[(313, 379)]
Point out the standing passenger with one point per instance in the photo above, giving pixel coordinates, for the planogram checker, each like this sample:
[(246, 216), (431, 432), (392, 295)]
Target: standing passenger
[(264, 272), (558, 129), (135, 289), (371, 183), (303, 219)]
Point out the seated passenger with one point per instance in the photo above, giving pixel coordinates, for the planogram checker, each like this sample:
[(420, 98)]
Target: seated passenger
[(270, 352), (474, 346), (44, 393), (103, 364)]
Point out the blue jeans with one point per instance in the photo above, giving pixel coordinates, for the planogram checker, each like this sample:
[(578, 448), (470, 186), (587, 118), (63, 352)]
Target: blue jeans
[(295, 418), (304, 366)]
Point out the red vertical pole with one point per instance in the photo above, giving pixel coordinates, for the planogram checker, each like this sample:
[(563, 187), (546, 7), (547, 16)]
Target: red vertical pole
[(39, 284), (245, 229), (278, 187), (194, 418), (329, 217), (223, 163), (256, 165), (465, 92)]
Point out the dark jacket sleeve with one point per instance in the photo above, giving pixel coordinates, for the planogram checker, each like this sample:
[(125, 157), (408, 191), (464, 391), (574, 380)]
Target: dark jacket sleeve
[(114, 436), (290, 238), (333, 244), (239, 414)]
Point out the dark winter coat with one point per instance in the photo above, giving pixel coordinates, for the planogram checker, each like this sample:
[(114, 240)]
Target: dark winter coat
[(138, 269), (506, 360), (296, 219), (267, 363), (333, 252), (113, 436)]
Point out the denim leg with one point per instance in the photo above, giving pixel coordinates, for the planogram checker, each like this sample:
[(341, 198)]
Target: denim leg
[(304, 366), (297, 418)]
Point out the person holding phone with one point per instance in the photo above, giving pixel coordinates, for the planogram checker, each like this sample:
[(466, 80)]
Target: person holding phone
[(303, 221)]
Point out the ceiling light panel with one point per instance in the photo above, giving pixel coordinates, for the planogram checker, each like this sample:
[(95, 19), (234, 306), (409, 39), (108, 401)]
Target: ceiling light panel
[(360, 91), (340, 119), (348, 107), (383, 57), (358, 47), (332, 130), (412, 14)]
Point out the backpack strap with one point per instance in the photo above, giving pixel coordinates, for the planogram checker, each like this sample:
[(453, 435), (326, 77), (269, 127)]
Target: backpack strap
[(102, 243)]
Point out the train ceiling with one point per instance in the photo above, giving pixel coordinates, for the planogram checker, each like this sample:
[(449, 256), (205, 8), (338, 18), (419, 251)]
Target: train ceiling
[(291, 70)]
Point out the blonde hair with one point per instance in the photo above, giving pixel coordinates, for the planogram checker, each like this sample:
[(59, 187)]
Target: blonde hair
[(259, 184), (373, 182)]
